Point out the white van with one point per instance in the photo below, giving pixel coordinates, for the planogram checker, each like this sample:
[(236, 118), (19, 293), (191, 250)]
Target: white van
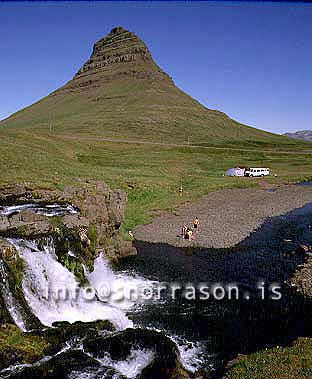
[(255, 171)]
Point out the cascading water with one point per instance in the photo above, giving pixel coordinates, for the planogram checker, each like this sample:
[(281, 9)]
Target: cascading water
[(48, 210), (45, 278), (11, 304), (53, 293), (133, 365), (124, 289)]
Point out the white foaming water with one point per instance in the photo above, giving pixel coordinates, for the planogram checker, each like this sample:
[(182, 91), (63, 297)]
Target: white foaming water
[(49, 210), (90, 373), (125, 291), (94, 373), (11, 305), (7, 211), (133, 365), (18, 369), (190, 354), (44, 275)]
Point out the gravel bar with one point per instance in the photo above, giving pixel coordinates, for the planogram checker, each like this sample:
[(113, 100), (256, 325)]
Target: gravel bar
[(226, 217)]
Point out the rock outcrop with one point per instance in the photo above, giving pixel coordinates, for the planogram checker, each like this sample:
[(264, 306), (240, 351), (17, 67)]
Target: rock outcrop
[(99, 216), (301, 280), (118, 55)]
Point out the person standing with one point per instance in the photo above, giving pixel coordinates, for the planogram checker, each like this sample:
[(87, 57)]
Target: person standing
[(189, 234), (196, 223)]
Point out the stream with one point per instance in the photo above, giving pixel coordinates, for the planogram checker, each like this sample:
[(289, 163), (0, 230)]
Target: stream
[(206, 333)]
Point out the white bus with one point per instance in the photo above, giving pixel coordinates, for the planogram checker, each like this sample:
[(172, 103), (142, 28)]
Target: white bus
[(257, 171)]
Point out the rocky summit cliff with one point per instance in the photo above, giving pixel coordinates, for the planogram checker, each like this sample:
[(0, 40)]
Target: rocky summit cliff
[(121, 93), (120, 54)]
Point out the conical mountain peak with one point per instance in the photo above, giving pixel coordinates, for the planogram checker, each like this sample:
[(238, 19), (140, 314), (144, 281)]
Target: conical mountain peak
[(121, 93), (121, 52), (118, 30)]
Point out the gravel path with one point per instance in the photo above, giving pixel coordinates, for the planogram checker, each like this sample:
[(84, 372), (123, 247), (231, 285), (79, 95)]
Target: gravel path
[(227, 217)]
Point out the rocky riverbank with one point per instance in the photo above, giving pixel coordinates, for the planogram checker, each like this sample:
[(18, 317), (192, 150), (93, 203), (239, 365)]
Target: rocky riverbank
[(277, 251), (226, 217), (51, 240), (93, 212)]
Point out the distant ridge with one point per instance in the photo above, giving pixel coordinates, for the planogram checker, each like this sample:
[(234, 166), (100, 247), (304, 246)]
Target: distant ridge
[(120, 92), (301, 134)]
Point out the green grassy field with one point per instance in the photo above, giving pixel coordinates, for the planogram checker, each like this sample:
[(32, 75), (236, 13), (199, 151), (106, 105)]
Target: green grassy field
[(293, 362), (150, 174)]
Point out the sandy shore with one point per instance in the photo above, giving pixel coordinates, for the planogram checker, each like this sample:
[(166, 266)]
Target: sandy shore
[(227, 217)]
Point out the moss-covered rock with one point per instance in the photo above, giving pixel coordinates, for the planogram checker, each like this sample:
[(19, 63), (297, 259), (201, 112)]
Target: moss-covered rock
[(18, 347), (71, 251), (58, 366), (62, 331)]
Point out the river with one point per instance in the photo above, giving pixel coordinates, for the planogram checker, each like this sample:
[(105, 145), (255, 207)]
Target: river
[(208, 333)]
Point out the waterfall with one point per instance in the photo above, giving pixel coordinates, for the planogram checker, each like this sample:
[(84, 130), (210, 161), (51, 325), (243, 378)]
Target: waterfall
[(124, 289), (12, 306), (45, 277)]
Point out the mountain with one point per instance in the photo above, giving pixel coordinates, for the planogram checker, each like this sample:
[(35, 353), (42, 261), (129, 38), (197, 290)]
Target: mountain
[(301, 134), (120, 92)]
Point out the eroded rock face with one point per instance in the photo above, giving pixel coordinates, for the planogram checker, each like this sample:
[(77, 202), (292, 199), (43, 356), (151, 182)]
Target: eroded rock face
[(120, 54), (99, 215), (119, 46)]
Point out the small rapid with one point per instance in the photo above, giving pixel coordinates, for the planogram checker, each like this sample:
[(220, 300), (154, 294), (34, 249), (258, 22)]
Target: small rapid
[(49, 210), (124, 289), (50, 289), (52, 294), (130, 367)]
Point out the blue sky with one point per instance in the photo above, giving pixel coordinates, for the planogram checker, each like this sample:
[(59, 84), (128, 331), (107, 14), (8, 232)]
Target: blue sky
[(252, 61)]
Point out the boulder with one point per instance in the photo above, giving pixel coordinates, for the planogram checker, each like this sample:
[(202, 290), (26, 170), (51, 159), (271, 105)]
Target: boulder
[(165, 364)]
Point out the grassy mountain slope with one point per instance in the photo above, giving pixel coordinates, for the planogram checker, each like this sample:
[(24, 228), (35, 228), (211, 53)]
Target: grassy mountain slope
[(121, 93)]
